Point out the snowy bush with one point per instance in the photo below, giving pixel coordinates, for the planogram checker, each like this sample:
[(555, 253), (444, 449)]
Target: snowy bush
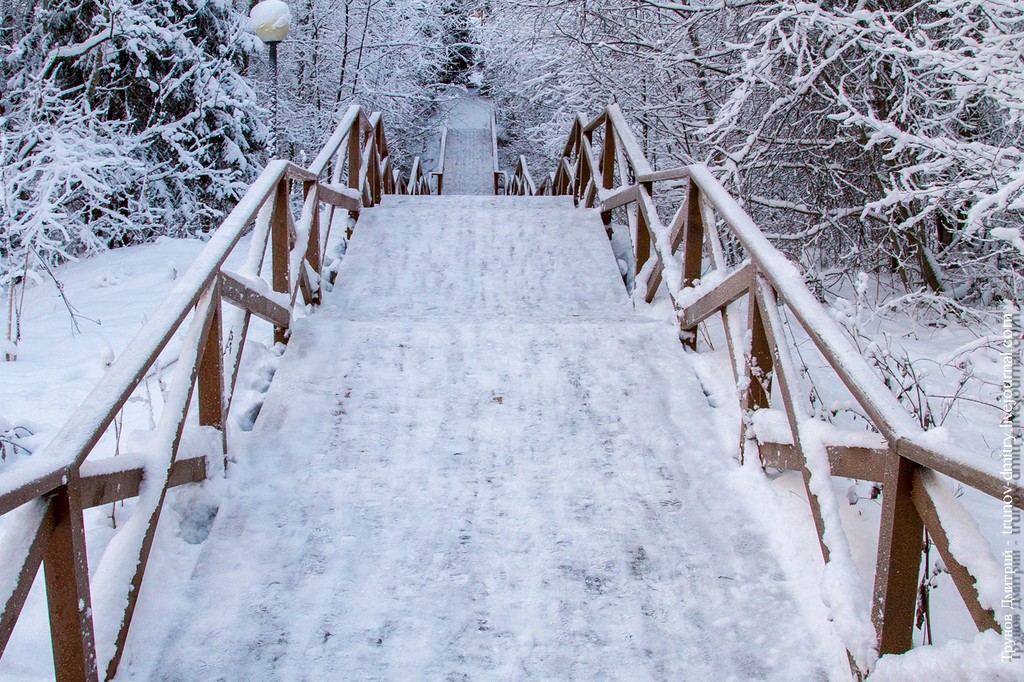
[(122, 120)]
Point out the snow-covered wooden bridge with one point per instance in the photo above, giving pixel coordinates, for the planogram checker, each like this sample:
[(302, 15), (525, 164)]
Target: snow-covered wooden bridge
[(479, 459)]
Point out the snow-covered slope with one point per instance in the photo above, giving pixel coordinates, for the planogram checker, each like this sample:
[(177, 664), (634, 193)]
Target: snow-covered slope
[(478, 462)]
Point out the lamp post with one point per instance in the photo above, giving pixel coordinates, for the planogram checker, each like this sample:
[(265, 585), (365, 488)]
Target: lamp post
[(271, 19)]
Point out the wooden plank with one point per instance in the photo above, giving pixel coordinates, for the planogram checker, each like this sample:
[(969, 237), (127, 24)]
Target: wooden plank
[(947, 464), (984, 619), (30, 563), (900, 542), (294, 172), (662, 175), (849, 461), (735, 285), (31, 490), (494, 151), (523, 171), (332, 196), (66, 570), (608, 157), (621, 197), (113, 486), (234, 290)]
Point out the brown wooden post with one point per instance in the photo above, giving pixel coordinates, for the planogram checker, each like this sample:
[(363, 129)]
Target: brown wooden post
[(693, 250), (643, 236), (373, 171), (693, 238), (314, 246), (759, 368), (210, 381), (67, 588), (608, 164), (381, 146), (900, 543), (279, 250), (355, 163)]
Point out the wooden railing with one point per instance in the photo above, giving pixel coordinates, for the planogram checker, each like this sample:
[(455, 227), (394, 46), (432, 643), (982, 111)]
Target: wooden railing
[(49, 492), (499, 175), (439, 171), (603, 167)]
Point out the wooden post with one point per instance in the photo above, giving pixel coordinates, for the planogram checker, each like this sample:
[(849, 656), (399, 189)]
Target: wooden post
[(67, 588), (693, 238), (355, 163), (643, 237), (608, 164), (381, 147), (373, 171), (759, 367), (693, 249), (313, 246), (210, 382), (279, 248), (900, 543)]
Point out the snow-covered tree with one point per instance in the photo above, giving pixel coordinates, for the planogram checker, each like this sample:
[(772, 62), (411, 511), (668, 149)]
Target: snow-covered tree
[(861, 135), (121, 120)]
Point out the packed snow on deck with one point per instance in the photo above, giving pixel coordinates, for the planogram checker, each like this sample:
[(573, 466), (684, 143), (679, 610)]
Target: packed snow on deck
[(477, 462)]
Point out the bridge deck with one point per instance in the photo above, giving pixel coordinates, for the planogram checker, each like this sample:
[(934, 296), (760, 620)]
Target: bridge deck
[(477, 462), (469, 162)]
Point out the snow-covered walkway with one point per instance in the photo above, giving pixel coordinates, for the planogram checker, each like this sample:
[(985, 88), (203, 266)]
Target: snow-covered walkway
[(477, 462)]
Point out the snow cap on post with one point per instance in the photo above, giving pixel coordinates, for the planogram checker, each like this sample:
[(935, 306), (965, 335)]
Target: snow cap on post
[(270, 19)]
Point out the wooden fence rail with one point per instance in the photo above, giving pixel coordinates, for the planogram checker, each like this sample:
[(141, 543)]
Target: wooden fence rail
[(48, 493), (686, 257)]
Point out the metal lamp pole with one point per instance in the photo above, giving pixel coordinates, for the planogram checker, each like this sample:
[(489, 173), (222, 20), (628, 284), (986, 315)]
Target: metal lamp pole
[(270, 19), (276, 105)]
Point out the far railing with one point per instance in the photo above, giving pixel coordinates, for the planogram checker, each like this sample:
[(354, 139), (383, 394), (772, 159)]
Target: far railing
[(439, 172), (603, 167), (47, 494), (499, 175)]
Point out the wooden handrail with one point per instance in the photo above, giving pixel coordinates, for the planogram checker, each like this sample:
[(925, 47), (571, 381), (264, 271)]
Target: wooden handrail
[(686, 260), (50, 490)]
